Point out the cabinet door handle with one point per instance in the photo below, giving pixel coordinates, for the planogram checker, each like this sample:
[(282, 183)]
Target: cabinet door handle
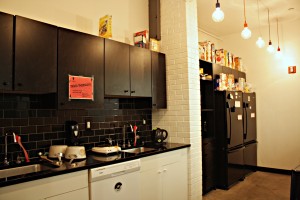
[(132, 91), (5, 83), (125, 91), (154, 104)]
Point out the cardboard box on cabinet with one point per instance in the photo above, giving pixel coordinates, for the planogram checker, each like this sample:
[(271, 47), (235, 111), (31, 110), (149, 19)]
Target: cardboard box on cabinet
[(141, 39)]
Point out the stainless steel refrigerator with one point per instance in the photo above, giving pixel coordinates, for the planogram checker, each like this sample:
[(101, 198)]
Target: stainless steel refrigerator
[(249, 131), (229, 138)]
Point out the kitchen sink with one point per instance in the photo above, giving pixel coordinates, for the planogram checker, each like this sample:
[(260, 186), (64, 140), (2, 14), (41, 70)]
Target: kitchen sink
[(15, 171), (138, 150)]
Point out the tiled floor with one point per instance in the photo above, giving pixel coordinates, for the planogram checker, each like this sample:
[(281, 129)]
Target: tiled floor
[(257, 186)]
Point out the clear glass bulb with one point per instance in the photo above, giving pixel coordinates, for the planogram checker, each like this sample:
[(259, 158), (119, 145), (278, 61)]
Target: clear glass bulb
[(270, 48), (218, 15), (278, 53), (260, 42), (246, 33)]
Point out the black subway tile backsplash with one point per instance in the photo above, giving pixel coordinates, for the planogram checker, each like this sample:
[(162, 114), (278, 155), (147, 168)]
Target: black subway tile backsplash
[(38, 122)]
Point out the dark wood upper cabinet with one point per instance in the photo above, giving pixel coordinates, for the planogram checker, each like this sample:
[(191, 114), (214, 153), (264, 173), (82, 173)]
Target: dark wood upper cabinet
[(117, 77), (80, 54), (127, 70), (35, 56), (159, 88), (140, 72), (6, 51)]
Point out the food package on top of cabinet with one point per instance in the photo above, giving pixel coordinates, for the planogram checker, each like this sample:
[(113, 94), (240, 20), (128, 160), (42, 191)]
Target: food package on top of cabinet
[(141, 39), (220, 57), (226, 58), (230, 82), (154, 45), (248, 88), (223, 82), (232, 60), (205, 51), (238, 63), (240, 84), (105, 26), (229, 57), (202, 51), (213, 53)]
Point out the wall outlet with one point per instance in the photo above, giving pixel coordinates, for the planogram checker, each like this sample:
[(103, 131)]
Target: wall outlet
[(88, 125)]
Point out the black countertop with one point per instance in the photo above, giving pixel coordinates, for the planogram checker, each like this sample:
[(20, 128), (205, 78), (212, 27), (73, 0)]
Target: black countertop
[(93, 160)]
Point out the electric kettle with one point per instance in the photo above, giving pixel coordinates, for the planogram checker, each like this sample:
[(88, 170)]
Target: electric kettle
[(159, 135)]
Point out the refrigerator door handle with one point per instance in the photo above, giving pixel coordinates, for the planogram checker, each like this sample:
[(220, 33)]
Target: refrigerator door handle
[(245, 127), (229, 130), (235, 150)]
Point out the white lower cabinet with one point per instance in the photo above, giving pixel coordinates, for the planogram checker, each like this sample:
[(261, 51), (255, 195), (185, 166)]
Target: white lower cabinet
[(164, 176), (62, 187), (72, 195)]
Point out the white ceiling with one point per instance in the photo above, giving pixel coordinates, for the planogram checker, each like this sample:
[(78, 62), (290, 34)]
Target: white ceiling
[(234, 14)]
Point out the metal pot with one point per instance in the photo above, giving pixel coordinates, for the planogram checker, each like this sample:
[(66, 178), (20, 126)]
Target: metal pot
[(56, 151), (75, 152)]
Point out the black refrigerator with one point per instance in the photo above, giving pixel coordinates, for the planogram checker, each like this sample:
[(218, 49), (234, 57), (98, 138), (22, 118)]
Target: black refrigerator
[(249, 131), (229, 138)]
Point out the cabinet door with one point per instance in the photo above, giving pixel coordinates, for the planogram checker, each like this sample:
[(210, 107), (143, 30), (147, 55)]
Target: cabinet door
[(6, 51), (140, 72), (159, 88), (35, 56), (151, 187), (80, 54), (175, 181), (117, 78), (82, 194)]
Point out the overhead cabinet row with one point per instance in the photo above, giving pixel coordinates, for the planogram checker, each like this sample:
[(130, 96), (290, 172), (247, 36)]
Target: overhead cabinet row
[(36, 57)]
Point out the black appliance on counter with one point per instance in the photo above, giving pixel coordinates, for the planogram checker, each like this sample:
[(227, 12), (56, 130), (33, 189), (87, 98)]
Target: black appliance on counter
[(158, 136), (73, 135), (235, 130)]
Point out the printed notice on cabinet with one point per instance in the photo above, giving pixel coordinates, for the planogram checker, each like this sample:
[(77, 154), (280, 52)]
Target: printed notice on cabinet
[(81, 87)]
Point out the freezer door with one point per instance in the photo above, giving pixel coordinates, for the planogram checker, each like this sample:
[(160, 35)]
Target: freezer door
[(249, 113), (235, 168), (250, 158), (234, 119)]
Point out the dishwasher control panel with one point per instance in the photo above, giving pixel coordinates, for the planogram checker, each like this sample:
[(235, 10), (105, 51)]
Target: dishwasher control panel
[(114, 170)]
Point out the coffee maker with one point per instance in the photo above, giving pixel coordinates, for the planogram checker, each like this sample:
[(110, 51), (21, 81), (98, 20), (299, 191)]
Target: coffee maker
[(73, 134)]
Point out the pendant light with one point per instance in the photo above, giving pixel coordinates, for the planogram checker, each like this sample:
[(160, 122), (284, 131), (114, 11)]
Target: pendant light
[(270, 47), (246, 33), (260, 42), (218, 14), (278, 52)]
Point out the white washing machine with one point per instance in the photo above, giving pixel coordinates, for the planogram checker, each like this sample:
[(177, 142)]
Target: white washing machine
[(115, 182)]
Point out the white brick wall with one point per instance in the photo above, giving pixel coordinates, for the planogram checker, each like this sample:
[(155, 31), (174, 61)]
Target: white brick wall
[(179, 41)]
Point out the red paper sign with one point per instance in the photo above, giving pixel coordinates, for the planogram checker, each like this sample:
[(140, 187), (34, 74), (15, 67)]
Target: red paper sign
[(81, 87)]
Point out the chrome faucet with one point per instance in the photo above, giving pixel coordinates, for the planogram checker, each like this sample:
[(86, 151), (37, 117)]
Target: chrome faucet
[(124, 133), (6, 162)]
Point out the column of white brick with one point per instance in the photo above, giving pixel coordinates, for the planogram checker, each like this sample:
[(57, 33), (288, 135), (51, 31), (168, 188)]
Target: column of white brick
[(179, 41)]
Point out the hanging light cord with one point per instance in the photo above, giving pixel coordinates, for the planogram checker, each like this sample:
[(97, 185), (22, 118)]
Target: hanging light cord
[(269, 25), (245, 12), (258, 18), (277, 33)]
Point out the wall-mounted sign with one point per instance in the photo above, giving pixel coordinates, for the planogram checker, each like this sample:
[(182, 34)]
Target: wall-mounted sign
[(81, 87), (292, 70)]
